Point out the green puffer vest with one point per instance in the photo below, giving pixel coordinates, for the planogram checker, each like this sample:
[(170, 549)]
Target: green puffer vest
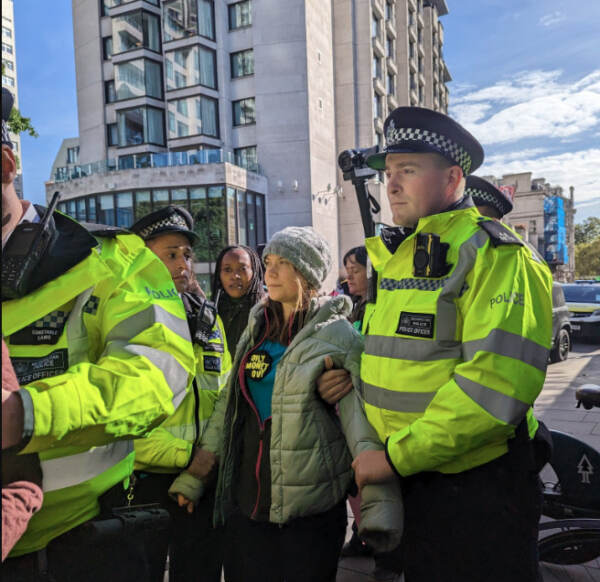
[(309, 460)]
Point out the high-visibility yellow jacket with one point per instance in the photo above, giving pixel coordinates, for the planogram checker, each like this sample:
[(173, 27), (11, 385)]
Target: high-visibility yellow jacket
[(103, 354), (453, 364), (168, 448)]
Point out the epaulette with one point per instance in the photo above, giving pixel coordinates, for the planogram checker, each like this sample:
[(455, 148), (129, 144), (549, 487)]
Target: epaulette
[(103, 230), (498, 233)]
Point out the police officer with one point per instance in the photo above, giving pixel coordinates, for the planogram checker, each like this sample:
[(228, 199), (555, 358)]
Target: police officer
[(100, 344), (455, 354), (195, 546), (493, 203)]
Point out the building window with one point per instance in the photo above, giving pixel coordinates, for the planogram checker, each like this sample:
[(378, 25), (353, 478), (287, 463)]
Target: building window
[(124, 209), (6, 48), (190, 66), (376, 106), (240, 14), (134, 30), (73, 155), (413, 82), (6, 32), (376, 67), (183, 18), (389, 47), (8, 65), (421, 67), (244, 112), (141, 125), (411, 50), (246, 158), (421, 94), (6, 80), (420, 35), (107, 47), (375, 26), (242, 64), (389, 11), (391, 84), (110, 94), (138, 78), (106, 210), (112, 132), (193, 116), (208, 206)]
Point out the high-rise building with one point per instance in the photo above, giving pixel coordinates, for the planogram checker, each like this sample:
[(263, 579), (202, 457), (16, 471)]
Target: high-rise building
[(238, 109), (9, 77)]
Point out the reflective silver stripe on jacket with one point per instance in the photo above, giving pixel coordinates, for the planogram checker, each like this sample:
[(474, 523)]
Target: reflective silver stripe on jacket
[(455, 286), (137, 323), (396, 401), (78, 340), (511, 345), (187, 432), (75, 469), (175, 374), (409, 349), (506, 408)]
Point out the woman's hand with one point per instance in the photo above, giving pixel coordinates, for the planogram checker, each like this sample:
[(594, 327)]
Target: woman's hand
[(333, 385), (185, 502)]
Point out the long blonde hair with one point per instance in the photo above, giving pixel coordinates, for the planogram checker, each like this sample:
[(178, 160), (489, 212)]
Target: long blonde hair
[(279, 330)]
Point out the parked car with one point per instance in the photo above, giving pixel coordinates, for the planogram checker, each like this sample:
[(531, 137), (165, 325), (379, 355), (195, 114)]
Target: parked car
[(561, 326), (583, 302)]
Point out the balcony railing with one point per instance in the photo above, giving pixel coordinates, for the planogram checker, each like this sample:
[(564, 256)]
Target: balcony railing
[(153, 160)]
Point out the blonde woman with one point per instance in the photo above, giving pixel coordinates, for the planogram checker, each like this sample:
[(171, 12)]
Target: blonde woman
[(285, 468)]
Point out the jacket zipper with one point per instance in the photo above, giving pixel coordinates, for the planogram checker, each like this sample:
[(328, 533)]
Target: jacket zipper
[(261, 426)]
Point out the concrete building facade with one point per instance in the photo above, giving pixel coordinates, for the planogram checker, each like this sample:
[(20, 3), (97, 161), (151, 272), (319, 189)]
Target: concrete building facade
[(9, 77), (530, 221), (262, 92)]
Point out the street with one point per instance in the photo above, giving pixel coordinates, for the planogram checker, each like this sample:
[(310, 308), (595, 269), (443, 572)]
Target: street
[(556, 407)]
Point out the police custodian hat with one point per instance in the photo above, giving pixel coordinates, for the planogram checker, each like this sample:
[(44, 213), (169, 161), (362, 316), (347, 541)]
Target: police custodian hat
[(484, 193), (420, 130), (170, 219)]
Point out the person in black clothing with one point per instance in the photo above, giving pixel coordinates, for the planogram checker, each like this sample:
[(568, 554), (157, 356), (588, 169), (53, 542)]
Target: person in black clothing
[(355, 262), (237, 286)]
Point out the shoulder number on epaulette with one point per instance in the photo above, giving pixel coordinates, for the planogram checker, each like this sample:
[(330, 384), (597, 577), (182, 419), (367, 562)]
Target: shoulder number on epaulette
[(498, 233)]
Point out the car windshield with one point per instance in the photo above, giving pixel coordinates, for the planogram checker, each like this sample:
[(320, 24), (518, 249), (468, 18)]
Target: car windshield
[(582, 293)]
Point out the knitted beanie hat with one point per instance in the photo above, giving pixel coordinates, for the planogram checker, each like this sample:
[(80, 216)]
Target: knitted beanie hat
[(306, 249)]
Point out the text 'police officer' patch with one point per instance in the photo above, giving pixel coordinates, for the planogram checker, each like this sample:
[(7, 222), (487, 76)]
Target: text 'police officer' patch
[(212, 364), (31, 369), (258, 365), (43, 331), (416, 324)]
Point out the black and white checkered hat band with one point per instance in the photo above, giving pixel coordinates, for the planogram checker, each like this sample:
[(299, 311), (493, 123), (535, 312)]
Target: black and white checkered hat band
[(404, 135), (172, 220), (5, 135), (482, 198)]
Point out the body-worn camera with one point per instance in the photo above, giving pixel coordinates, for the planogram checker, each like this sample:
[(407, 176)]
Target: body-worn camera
[(430, 256), (28, 243), (350, 159), (201, 316)]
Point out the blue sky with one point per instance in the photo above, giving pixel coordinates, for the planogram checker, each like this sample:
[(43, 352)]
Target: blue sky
[(526, 82)]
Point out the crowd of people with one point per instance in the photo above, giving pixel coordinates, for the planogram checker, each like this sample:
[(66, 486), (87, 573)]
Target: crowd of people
[(143, 420)]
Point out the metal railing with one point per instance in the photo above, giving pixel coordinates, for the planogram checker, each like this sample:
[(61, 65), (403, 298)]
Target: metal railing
[(153, 160)]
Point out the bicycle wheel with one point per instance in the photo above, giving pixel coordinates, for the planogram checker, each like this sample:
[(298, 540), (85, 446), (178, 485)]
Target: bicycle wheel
[(575, 546)]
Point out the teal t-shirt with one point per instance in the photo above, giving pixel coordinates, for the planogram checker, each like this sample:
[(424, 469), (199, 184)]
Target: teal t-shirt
[(260, 375)]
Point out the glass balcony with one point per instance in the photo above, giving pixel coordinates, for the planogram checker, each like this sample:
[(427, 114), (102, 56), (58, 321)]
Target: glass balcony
[(154, 160)]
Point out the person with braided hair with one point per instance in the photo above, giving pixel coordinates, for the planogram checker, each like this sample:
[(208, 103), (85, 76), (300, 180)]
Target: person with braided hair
[(237, 286)]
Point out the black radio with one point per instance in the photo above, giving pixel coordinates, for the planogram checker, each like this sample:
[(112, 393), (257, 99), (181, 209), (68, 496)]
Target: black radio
[(430, 256), (27, 244)]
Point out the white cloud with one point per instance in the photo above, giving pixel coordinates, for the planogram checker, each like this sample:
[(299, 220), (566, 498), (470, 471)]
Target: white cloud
[(578, 169), (552, 18), (532, 104)]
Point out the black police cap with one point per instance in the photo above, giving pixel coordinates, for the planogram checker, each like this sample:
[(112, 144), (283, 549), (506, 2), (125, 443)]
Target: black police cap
[(7, 104), (421, 130), (484, 193), (170, 219)]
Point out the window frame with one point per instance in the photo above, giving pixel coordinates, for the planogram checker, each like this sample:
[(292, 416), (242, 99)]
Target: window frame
[(200, 46), (231, 7), (202, 96), (146, 142), (231, 59), (233, 117), (137, 48)]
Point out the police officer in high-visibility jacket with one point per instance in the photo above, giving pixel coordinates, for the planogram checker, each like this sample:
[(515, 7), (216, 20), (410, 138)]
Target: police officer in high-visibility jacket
[(195, 546), (455, 354), (100, 344)]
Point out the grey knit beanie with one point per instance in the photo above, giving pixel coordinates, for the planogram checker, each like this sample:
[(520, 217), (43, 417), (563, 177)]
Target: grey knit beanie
[(306, 249)]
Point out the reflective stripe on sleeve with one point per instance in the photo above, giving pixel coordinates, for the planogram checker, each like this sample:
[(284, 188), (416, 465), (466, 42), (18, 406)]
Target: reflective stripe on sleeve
[(396, 401), (506, 408), (75, 469), (511, 345), (175, 374), (137, 323), (409, 349)]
